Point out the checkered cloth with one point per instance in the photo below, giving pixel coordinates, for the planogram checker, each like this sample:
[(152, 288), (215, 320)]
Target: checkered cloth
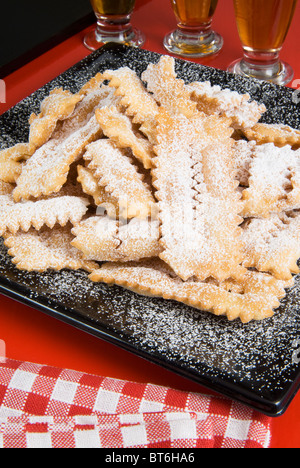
[(49, 407)]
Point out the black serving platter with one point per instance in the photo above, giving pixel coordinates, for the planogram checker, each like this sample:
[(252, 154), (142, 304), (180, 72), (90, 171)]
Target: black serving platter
[(257, 363)]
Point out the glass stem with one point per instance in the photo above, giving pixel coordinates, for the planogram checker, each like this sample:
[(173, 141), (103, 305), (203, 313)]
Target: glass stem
[(258, 61), (113, 25), (193, 39), (201, 30), (263, 65)]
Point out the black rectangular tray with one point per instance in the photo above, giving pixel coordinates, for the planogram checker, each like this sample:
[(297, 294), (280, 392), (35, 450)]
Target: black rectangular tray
[(256, 363)]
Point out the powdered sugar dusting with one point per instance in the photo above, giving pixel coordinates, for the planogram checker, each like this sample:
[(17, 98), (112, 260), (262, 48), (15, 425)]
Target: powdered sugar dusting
[(255, 355), (273, 244), (61, 210), (228, 103), (101, 238), (47, 170), (50, 249), (192, 200), (273, 181), (114, 170)]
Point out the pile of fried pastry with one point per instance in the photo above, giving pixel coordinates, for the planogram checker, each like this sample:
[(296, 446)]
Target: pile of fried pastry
[(166, 188)]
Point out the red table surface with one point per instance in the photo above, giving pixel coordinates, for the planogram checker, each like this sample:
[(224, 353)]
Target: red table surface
[(31, 335)]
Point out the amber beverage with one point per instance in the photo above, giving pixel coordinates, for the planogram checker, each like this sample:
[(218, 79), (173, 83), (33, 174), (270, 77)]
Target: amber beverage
[(113, 24), (193, 12), (264, 24), (113, 7), (193, 36)]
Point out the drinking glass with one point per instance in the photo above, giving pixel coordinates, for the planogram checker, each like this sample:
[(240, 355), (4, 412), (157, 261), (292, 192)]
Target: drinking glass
[(193, 36), (113, 24), (263, 27)]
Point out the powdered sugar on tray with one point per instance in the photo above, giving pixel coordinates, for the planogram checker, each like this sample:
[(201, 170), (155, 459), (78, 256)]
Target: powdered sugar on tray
[(258, 355)]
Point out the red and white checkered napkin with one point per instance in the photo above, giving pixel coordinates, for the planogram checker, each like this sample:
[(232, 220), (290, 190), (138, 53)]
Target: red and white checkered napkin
[(48, 407)]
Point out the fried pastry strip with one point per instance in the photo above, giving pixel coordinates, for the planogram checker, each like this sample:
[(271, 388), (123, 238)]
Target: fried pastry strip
[(47, 249), (5, 188), (59, 105), (47, 169), (224, 102), (92, 85), (134, 97), (253, 298), (274, 182), (273, 244), (243, 154), (168, 90), (101, 198), (104, 239), (194, 198), (278, 134), (119, 128), (23, 216), (114, 170), (12, 159)]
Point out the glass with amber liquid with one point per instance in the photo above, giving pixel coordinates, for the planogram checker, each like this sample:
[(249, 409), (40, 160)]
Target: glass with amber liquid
[(263, 26), (193, 36), (113, 24)]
